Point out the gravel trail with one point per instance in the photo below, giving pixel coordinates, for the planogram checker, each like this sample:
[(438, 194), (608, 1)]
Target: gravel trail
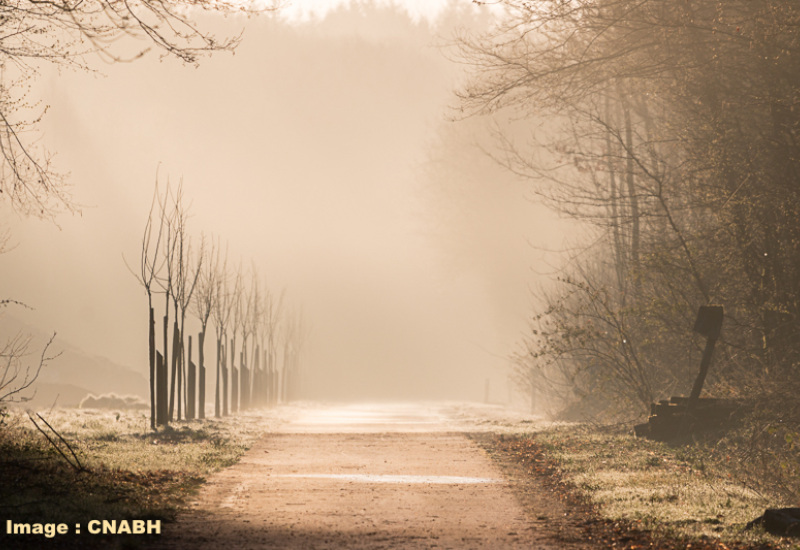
[(364, 477)]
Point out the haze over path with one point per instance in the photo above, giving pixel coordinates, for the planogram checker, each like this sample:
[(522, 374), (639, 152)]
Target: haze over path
[(360, 476)]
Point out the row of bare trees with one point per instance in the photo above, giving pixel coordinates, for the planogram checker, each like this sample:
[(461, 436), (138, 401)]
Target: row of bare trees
[(672, 129), (64, 33), (259, 343)]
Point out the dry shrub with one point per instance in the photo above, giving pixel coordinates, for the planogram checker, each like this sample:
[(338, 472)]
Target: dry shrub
[(112, 401)]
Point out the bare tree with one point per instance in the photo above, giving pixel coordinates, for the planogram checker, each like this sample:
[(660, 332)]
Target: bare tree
[(150, 265), (221, 313), (295, 338), (250, 321), (186, 270), (167, 283), (272, 316), (237, 321), (186, 291), (166, 271), (205, 301)]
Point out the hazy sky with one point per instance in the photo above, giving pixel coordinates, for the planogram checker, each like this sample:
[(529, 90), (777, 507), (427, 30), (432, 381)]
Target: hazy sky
[(322, 152), (303, 10)]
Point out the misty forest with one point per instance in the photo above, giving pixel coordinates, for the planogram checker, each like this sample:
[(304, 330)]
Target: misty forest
[(400, 274)]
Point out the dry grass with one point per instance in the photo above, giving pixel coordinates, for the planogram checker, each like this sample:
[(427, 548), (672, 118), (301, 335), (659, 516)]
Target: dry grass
[(672, 491), (131, 472)]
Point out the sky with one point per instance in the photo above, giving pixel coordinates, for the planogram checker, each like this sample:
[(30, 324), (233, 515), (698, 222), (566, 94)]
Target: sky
[(324, 153), (303, 10)]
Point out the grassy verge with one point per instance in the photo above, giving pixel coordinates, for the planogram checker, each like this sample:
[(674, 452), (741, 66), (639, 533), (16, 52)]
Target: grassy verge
[(129, 472), (642, 493)]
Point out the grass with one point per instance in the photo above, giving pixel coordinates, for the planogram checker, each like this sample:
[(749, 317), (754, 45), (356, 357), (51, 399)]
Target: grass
[(675, 493), (130, 471)]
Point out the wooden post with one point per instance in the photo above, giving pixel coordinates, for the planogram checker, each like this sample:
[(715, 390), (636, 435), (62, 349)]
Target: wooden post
[(267, 378), (164, 357), (709, 324), (234, 390), (268, 386), (151, 352), (224, 381), (162, 415), (234, 380), (218, 386), (254, 392), (175, 372), (177, 348), (244, 401), (191, 379), (270, 380), (201, 375)]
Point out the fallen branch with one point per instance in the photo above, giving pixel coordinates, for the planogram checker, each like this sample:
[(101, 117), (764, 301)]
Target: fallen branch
[(76, 465)]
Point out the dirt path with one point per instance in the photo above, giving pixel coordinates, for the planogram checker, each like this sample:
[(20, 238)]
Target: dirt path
[(364, 477)]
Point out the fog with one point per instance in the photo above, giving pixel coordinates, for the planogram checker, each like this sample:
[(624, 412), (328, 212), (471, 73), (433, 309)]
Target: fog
[(325, 153)]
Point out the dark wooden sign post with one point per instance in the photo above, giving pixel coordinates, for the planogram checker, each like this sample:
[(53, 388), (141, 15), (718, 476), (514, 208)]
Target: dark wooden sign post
[(679, 418), (709, 324)]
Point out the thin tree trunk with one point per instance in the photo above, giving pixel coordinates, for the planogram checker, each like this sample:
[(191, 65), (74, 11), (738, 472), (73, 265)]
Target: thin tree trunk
[(164, 357), (201, 375), (182, 366), (632, 198), (173, 378), (619, 254), (217, 404), (191, 381), (224, 380), (162, 416), (151, 349)]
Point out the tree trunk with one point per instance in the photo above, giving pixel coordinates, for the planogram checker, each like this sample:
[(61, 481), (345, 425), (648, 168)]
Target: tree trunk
[(224, 381), (151, 352), (201, 375), (217, 404), (191, 383), (174, 372), (632, 198), (162, 415), (182, 397)]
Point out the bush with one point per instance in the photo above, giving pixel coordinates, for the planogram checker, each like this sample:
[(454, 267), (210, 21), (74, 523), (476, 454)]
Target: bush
[(112, 401)]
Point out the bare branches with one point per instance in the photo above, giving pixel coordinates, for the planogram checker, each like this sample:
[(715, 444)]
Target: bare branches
[(75, 462), (654, 114), (17, 377), (221, 312), (199, 281), (65, 31), (188, 264), (71, 33), (206, 292)]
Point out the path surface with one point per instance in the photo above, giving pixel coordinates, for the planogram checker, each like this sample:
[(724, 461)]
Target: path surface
[(389, 476)]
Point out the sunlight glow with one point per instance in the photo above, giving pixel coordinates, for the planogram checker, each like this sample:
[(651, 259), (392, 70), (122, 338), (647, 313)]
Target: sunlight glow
[(411, 479), (305, 10)]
